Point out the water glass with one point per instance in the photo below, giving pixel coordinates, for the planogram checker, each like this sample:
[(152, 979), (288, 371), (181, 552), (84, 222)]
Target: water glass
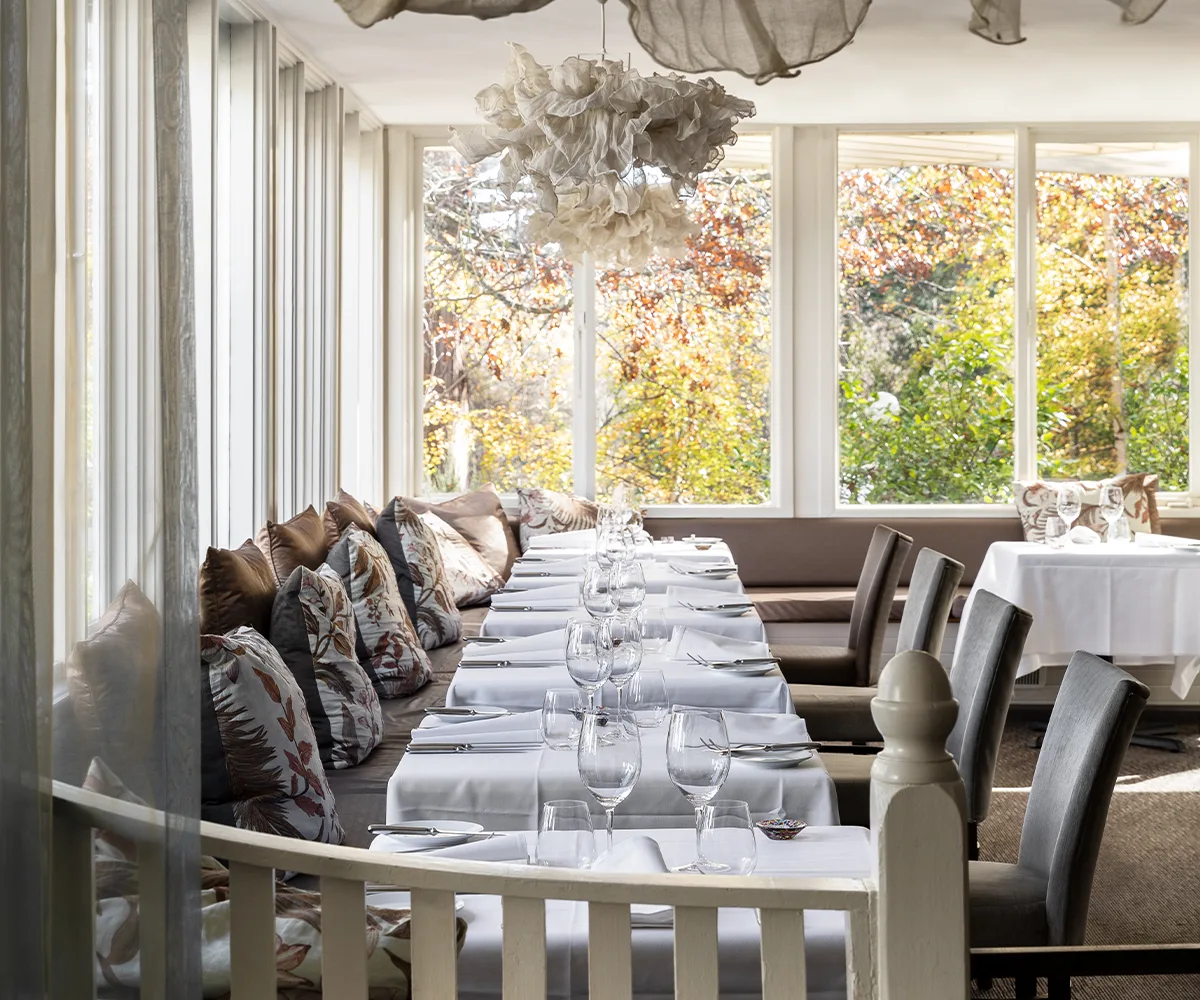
[(1112, 506), (1070, 503), (562, 718), (620, 544), (656, 631), (646, 699), (1119, 532), (1056, 531), (629, 581), (698, 763), (599, 597), (625, 642), (565, 837), (610, 761), (588, 655), (727, 837)]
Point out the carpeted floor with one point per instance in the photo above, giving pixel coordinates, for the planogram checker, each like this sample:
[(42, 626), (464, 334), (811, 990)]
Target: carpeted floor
[(1147, 885)]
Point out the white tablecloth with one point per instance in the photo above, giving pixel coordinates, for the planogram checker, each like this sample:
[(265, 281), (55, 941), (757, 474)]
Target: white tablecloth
[(522, 688), (520, 623), (505, 791), (1130, 602), (659, 576), (818, 851)]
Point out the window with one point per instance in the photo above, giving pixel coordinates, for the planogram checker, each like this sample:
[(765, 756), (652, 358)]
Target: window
[(677, 356), (1112, 310)]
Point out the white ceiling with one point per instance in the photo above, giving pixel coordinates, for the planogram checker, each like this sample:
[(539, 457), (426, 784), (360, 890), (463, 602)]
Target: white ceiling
[(912, 61)]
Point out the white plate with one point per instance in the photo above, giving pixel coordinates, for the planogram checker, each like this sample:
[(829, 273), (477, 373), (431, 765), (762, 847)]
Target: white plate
[(480, 712), (773, 758), (701, 540), (745, 669), (725, 612), (400, 899), (402, 843)]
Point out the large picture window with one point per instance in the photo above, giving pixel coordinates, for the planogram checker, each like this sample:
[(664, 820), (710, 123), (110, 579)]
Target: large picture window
[(677, 354)]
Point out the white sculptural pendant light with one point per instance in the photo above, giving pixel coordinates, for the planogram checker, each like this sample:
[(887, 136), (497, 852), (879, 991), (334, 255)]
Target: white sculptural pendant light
[(610, 154)]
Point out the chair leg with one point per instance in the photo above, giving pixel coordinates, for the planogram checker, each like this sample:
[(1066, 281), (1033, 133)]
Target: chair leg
[(1058, 988), (972, 841), (1026, 988)]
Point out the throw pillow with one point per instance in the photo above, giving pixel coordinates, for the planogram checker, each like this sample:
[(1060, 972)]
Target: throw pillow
[(413, 548), (312, 627), (1037, 500), (544, 512), (341, 512), (113, 680), (387, 646), (237, 587), (471, 580), (260, 769), (299, 541), (479, 517)]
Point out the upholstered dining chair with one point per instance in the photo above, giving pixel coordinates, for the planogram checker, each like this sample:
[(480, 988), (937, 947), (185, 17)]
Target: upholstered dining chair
[(1042, 900), (842, 711)]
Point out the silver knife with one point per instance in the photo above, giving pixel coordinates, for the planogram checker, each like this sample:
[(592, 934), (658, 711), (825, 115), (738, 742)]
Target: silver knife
[(483, 638), (413, 830), (752, 661), (471, 747), (529, 607), (448, 710), (509, 663)]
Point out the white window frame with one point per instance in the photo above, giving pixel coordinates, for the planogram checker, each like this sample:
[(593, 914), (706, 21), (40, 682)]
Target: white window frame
[(406, 216)]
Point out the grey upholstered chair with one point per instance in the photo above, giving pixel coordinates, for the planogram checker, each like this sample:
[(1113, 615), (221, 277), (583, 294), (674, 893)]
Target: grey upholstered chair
[(856, 663), (1043, 898), (990, 643), (837, 711)]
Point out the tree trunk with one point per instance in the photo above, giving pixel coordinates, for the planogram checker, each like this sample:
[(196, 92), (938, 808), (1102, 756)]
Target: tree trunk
[(1117, 404)]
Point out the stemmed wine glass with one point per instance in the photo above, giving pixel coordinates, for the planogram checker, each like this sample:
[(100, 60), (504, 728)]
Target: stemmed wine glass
[(610, 761), (619, 544), (1112, 506), (599, 595), (629, 581), (625, 642), (1070, 503), (589, 656), (698, 764)]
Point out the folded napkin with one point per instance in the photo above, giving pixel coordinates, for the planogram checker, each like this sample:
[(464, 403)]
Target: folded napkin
[(701, 596), (549, 597), (1081, 534), (710, 646), (523, 727), (527, 649), (509, 847), (569, 566), (748, 727), (639, 856), (583, 538), (696, 568)]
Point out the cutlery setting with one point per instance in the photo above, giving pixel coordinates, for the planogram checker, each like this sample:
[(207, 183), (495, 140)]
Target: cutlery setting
[(722, 664), (490, 713), (443, 748), (757, 748), (741, 606), (471, 664), (530, 607)]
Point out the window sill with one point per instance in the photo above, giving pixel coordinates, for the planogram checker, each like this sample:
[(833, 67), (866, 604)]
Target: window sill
[(918, 510)]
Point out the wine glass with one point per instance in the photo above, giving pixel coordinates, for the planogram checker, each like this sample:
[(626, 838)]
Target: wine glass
[(1070, 503), (620, 544), (599, 597), (629, 581), (1112, 506), (562, 714), (698, 764), (646, 699), (625, 641), (727, 836), (610, 761), (565, 836), (588, 656)]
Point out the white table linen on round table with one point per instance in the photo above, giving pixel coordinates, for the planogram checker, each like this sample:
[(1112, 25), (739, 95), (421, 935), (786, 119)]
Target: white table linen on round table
[(521, 623), (1124, 601), (659, 576), (819, 851), (506, 791), (523, 688)]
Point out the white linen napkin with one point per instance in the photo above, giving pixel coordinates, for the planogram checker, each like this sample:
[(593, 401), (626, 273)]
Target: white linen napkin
[(566, 595), (701, 596), (749, 727), (528, 649), (710, 646), (584, 538), (509, 847), (1081, 534), (523, 727), (570, 566), (639, 856)]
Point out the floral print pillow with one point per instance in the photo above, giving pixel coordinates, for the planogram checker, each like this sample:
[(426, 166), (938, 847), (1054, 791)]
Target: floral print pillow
[(413, 549), (472, 581), (387, 644), (261, 769), (312, 626), (544, 512), (1036, 501)]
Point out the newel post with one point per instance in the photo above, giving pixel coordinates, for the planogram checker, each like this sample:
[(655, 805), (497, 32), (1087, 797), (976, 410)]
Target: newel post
[(918, 828)]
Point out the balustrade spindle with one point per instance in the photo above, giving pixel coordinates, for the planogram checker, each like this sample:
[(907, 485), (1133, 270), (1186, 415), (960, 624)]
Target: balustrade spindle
[(610, 959), (695, 953), (783, 972), (524, 964), (435, 953), (74, 903), (251, 931), (343, 939)]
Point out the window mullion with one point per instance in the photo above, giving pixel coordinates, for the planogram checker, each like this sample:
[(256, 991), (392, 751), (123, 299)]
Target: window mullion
[(1025, 321), (583, 419), (1193, 320)]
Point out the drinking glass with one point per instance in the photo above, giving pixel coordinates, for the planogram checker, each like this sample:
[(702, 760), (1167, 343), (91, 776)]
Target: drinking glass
[(656, 632), (1056, 531), (565, 836), (610, 761), (727, 836), (625, 640), (629, 581), (1118, 531), (1112, 506), (620, 544), (1070, 503), (599, 597), (698, 764), (604, 528), (588, 656), (562, 715), (646, 699)]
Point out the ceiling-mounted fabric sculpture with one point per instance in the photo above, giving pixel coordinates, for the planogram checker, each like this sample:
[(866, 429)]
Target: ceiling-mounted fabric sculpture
[(761, 39), (608, 152)]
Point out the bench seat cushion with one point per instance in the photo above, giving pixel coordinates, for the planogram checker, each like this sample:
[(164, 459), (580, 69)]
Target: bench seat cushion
[(810, 605), (836, 713)]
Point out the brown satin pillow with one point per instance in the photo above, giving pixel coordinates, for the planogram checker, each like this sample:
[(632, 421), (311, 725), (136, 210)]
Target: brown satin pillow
[(299, 541), (341, 512), (236, 588), (479, 517)]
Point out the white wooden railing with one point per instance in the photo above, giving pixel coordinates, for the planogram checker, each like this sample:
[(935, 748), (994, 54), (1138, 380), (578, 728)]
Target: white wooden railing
[(906, 926)]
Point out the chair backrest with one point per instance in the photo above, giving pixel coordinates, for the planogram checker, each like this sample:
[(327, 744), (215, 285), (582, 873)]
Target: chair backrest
[(927, 608), (1094, 716), (990, 643), (873, 600)]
